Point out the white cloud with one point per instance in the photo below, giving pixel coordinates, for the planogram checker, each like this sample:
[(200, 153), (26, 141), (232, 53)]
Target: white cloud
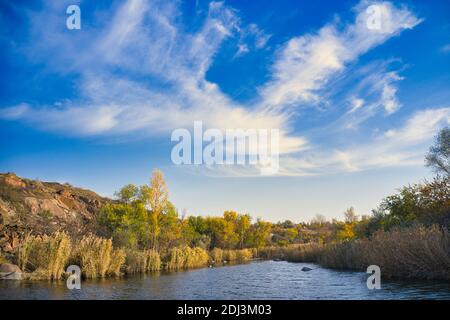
[(356, 103), (396, 147), (446, 48), (146, 41), (306, 63)]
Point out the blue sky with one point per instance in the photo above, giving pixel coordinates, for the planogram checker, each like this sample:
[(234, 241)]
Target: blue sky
[(357, 108)]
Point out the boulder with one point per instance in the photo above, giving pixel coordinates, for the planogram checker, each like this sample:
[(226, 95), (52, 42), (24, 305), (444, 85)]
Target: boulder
[(10, 271)]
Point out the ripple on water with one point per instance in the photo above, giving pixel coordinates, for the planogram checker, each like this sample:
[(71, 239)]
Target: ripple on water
[(258, 280)]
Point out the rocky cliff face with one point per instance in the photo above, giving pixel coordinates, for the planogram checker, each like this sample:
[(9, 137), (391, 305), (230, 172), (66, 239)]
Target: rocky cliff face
[(31, 206)]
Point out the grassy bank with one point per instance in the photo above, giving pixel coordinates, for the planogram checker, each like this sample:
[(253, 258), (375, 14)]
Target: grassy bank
[(410, 253), (47, 257), (415, 252)]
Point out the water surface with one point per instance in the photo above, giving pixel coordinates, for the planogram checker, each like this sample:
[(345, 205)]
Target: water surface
[(257, 280)]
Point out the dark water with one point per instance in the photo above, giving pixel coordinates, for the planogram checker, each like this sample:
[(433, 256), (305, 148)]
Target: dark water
[(258, 280)]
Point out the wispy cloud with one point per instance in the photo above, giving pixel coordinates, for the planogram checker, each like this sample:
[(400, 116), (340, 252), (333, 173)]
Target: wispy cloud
[(404, 146), (446, 48), (146, 41), (305, 64)]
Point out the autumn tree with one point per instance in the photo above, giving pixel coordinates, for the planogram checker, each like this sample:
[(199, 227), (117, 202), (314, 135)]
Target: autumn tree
[(438, 157), (155, 197), (243, 224), (260, 233), (350, 215), (127, 193)]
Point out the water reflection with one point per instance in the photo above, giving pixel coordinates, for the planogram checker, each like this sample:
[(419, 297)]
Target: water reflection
[(258, 280)]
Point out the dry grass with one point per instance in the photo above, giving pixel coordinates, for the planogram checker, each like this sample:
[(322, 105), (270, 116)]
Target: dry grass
[(244, 255), (46, 256), (216, 256), (97, 258), (142, 261), (118, 257), (229, 256), (268, 253), (416, 252), (186, 258), (309, 252)]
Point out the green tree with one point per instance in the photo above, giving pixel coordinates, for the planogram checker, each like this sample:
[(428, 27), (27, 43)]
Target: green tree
[(260, 234), (127, 193)]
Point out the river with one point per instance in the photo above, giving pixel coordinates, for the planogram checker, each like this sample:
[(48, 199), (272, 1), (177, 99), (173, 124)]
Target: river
[(257, 280)]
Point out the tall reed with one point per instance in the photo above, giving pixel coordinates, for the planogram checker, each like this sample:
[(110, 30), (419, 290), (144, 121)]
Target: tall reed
[(96, 257), (216, 256), (142, 261), (244, 255), (415, 252), (46, 256), (186, 257)]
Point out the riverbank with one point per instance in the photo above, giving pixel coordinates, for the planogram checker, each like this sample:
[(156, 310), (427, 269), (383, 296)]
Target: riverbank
[(47, 257), (262, 280), (410, 253)]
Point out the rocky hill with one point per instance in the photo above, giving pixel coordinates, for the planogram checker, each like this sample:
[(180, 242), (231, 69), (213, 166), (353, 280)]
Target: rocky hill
[(32, 206)]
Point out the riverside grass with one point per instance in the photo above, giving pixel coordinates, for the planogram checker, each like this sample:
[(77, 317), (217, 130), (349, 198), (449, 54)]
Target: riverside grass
[(47, 257), (416, 252), (411, 253)]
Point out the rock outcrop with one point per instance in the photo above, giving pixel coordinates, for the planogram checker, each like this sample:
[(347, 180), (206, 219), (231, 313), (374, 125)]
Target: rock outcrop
[(32, 206), (10, 271)]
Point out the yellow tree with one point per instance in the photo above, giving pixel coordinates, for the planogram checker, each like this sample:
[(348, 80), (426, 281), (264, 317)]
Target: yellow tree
[(156, 197), (243, 227)]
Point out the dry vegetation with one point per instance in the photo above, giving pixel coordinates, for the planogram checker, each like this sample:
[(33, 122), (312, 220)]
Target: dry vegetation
[(47, 257), (416, 252)]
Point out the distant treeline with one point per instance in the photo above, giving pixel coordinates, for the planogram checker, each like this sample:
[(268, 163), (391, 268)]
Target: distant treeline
[(407, 235)]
